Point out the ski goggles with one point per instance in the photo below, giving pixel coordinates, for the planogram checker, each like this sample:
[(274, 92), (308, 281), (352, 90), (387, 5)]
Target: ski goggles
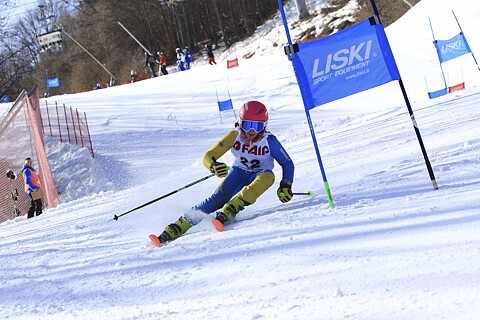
[(257, 126)]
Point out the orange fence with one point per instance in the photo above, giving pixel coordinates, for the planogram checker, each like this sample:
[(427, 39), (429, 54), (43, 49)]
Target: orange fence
[(21, 137), (67, 125)]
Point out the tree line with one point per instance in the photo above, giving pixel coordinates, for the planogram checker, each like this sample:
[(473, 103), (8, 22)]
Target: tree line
[(160, 25)]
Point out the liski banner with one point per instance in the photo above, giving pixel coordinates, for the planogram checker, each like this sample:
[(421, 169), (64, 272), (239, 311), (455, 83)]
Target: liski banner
[(350, 61), (452, 48), (347, 62)]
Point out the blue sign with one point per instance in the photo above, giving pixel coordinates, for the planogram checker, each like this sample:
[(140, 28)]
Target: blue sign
[(438, 93), (53, 82), (225, 105), (350, 61), (452, 48), (4, 99)]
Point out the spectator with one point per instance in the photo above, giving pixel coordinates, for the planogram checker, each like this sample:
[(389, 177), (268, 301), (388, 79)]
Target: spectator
[(188, 58), (163, 63), (211, 56), (150, 61), (180, 60), (33, 188)]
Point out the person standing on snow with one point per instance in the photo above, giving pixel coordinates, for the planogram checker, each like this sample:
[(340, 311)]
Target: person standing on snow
[(211, 56), (180, 60), (188, 58), (33, 188), (163, 63), (255, 150), (150, 61)]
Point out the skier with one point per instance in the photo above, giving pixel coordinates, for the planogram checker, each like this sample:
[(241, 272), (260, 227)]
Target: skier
[(163, 63), (33, 188), (211, 56), (188, 58), (180, 60), (254, 149), (150, 61)]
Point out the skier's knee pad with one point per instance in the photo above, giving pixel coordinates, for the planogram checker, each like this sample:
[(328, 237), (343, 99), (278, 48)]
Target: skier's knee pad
[(255, 189)]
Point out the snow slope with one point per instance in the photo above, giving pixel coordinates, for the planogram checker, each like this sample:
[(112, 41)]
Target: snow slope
[(392, 248)]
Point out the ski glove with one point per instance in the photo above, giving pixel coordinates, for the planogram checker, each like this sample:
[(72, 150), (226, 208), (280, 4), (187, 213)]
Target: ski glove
[(284, 192), (219, 168)]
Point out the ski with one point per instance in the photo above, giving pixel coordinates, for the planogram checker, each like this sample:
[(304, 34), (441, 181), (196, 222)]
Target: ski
[(218, 225), (157, 243), (154, 239)]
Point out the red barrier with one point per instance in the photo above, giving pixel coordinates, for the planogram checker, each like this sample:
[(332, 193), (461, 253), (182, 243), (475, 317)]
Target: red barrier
[(458, 87)]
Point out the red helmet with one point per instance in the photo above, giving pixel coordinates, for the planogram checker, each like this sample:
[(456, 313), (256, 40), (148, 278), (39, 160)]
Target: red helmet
[(254, 111)]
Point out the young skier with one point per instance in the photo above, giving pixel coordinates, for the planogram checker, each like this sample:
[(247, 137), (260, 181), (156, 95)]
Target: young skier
[(254, 149)]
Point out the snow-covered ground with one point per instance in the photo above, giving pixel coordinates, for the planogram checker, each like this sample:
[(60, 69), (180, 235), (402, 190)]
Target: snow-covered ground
[(392, 248)]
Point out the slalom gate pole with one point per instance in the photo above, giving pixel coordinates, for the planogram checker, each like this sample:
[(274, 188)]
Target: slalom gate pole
[(115, 217), (465, 39), (412, 117), (290, 52)]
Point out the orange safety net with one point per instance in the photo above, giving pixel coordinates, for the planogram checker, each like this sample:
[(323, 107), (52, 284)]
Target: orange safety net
[(45, 174), (21, 137)]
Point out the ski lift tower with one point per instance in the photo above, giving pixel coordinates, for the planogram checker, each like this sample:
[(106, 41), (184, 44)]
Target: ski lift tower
[(48, 39), (53, 39)]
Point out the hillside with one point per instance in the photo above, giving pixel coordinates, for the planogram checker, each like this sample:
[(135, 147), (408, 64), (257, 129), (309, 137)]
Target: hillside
[(392, 248)]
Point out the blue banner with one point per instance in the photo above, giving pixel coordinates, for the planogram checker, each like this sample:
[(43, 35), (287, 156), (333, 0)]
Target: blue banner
[(225, 105), (53, 82), (350, 61), (452, 48), (438, 93)]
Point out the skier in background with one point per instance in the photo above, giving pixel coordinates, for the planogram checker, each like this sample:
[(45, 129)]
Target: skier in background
[(163, 63), (188, 58), (255, 150), (211, 56), (180, 60), (150, 61)]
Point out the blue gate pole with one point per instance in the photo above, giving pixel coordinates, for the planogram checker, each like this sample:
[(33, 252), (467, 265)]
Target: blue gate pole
[(291, 55)]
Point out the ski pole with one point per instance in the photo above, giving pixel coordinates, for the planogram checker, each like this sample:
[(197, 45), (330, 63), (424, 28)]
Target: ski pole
[(309, 193), (115, 217)]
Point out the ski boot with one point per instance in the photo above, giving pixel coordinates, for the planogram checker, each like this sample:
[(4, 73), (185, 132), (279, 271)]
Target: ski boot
[(228, 212), (164, 237), (172, 231)]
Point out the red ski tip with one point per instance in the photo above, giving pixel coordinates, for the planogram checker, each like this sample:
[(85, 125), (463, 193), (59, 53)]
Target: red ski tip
[(155, 240), (217, 224)]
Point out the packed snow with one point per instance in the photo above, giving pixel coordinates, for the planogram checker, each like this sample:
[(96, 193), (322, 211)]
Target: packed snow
[(392, 248)]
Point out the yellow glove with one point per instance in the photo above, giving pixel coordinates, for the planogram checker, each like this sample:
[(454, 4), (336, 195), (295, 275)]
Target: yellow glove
[(284, 192), (219, 168)]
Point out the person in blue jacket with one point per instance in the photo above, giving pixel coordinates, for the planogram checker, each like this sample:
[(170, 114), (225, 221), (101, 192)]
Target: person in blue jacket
[(255, 149), (33, 188), (188, 58)]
